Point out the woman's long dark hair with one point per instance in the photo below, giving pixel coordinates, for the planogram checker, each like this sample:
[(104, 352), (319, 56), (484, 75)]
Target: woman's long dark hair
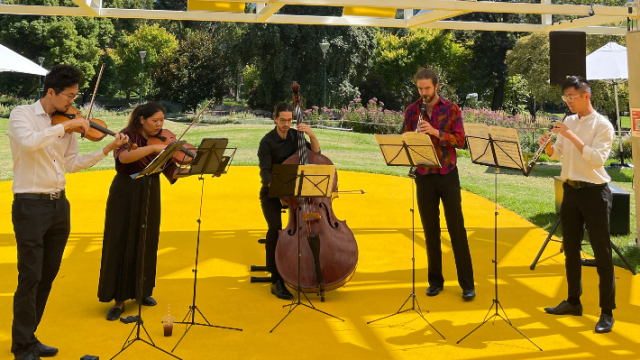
[(146, 111)]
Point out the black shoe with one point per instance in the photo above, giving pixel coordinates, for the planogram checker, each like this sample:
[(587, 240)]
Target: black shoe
[(468, 295), (605, 324), (434, 290), (149, 301), (114, 313), (565, 309), (28, 355), (279, 289), (43, 350)]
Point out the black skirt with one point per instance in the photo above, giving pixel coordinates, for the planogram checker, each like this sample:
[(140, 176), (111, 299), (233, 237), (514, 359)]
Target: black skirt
[(123, 234)]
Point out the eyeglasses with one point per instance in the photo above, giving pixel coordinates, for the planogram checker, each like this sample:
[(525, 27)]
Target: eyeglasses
[(571, 98), (71, 98)]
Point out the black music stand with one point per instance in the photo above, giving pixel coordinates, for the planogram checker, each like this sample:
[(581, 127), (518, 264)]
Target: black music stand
[(501, 156), (291, 181), (154, 167), (210, 159), (396, 152)]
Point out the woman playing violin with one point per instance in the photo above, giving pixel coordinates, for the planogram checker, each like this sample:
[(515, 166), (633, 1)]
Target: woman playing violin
[(126, 204)]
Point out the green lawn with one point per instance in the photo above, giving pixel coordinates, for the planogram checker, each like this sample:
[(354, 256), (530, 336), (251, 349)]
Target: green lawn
[(532, 197)]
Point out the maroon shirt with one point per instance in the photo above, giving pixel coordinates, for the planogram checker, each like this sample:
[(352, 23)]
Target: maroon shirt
[(139, 165), (446, 118)]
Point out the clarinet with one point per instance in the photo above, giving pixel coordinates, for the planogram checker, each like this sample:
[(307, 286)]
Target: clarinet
[(541, 149), (423, 107)]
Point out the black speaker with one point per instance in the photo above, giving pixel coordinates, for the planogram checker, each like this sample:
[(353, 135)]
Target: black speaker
[(568, 55), (619, 218), (620, 211)]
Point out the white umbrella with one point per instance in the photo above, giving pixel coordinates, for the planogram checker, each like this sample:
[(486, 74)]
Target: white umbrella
[(13, 62), (609, 63)]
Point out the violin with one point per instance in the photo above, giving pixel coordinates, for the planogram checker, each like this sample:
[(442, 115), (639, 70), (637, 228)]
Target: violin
[(184, 156), (187, 152), (329, 256), (97, 130)]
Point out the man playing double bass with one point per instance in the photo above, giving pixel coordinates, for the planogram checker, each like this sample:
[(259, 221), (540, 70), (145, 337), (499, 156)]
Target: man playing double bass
[(275, 147)]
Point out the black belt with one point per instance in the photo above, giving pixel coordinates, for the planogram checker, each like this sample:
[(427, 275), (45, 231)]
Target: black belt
[(582, 184), (32, 196)]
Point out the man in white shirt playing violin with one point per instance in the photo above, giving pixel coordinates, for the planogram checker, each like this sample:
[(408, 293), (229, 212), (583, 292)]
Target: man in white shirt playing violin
[(584, 143), (42, 154)]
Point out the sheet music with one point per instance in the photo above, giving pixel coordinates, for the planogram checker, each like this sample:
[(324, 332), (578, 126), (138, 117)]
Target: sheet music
[(391, 146), (479, 149), (509, 153), (421, 149), (316, 182)]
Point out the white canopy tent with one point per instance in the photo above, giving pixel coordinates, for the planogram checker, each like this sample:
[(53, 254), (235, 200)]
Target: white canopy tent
[(11, 61), (609, 63)]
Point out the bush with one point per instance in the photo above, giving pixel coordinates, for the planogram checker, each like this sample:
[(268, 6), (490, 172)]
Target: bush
[(8, 103), (5, 111), (370, 119), (626, 148)]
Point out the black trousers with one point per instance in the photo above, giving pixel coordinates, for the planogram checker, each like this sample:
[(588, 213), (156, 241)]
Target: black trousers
[(431, 188), (41, 228), (588, 207), (272, 210)]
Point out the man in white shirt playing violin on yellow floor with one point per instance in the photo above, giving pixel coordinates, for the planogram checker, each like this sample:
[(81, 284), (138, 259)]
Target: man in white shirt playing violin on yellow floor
[(42, 154)]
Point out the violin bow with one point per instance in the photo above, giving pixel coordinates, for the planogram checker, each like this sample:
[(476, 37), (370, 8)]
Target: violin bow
[(95, 90), (196, 118)]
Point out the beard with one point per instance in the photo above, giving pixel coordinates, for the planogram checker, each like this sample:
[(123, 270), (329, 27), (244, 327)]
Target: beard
[(428, 98)]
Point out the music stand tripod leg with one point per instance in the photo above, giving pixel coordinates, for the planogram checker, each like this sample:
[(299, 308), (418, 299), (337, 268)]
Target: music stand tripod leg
[(139, 323), (544, 245), (193, 308), (496, 301), (412, 296), (624, 259)]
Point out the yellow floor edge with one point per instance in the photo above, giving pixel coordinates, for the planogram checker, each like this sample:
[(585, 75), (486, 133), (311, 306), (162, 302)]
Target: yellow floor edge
[(232, 223)]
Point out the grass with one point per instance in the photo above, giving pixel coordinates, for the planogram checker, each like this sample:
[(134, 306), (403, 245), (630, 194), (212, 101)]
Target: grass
[(532, 198)]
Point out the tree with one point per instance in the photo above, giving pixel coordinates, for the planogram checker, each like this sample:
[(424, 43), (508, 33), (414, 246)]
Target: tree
[(197, 71), (129, 26), (488, 75), (398, 58), (109, 84), (152, 39), (61, 40), (284, 53), (530, 60)]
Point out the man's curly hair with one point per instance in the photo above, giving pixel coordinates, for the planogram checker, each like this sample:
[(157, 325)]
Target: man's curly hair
[(61, 77)]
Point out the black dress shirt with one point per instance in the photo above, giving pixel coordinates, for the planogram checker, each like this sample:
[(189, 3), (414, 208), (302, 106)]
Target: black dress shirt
[(275, 150)]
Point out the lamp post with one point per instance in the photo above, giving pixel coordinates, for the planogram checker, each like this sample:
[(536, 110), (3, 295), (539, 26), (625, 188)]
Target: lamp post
[(142, 55), (41, 60), (324, 45)]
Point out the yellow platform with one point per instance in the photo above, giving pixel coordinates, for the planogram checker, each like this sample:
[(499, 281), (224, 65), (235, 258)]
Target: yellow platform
[(232, 223)]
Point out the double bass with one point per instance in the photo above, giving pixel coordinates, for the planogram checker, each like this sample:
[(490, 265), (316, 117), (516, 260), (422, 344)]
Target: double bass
[(328, 248)]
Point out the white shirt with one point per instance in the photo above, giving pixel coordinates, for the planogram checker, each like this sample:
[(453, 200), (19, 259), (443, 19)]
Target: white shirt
[(597, 134), (43, 153)]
